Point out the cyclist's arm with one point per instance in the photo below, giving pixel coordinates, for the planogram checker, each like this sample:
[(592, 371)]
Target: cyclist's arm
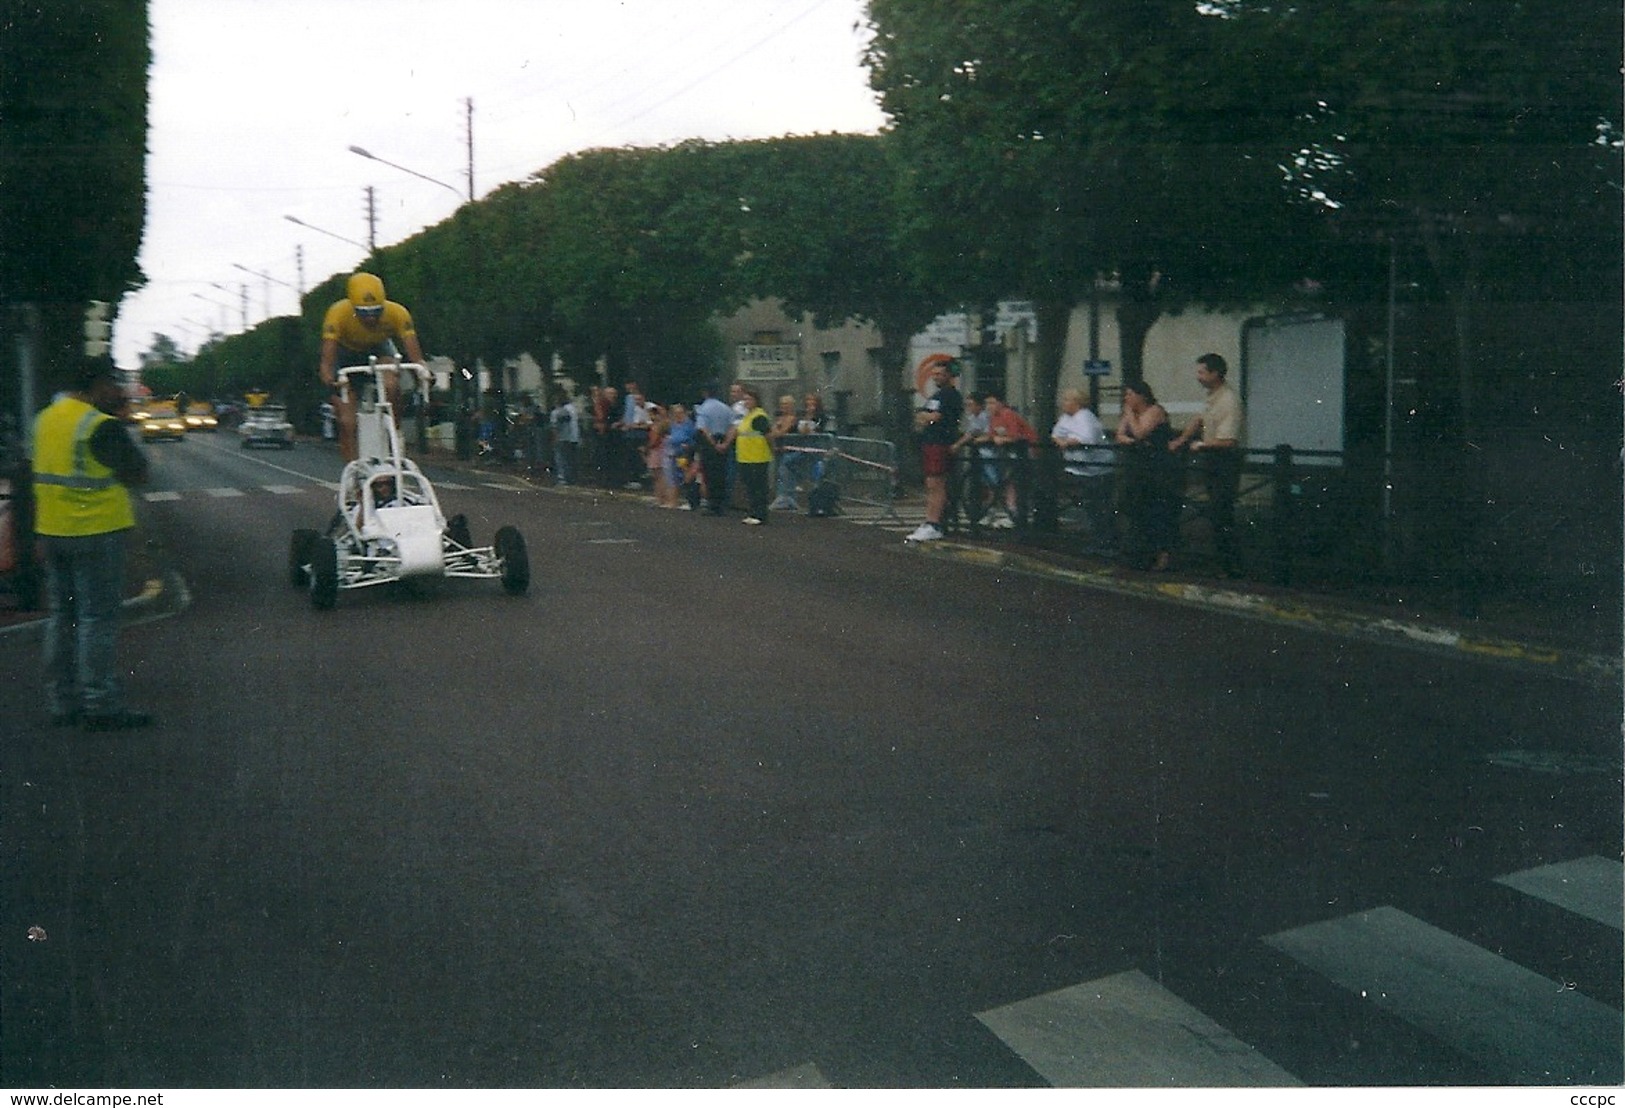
[(330, 358)]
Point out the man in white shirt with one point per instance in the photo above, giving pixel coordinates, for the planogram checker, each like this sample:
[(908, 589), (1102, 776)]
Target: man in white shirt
[(1218, 449)]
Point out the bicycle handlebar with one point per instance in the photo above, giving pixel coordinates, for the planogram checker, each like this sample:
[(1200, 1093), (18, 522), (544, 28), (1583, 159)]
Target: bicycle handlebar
[(418, 370)]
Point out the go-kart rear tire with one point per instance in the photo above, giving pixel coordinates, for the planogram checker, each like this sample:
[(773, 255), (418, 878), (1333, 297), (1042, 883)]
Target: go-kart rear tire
[(299, 556), (510, 547), (457, 531), (324, 574)]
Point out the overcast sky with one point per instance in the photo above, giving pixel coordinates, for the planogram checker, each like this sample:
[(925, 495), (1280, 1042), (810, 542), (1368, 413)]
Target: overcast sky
[(255, 103)]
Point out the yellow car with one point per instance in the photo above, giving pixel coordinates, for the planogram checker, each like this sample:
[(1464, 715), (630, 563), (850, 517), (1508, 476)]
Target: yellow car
[(161, 422), (200, 417)]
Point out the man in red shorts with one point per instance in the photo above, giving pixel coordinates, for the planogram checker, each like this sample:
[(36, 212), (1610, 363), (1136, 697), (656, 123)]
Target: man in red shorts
[(938, 425)]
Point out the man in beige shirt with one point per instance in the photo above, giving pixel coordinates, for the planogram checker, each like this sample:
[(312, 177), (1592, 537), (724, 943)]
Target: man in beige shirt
[(1218, 434)]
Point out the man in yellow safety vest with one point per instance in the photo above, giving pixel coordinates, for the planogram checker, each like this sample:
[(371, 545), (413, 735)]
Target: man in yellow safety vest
[(84, 462)]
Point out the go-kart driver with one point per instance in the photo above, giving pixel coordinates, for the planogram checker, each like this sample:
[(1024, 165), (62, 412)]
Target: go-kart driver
[(364, 323)]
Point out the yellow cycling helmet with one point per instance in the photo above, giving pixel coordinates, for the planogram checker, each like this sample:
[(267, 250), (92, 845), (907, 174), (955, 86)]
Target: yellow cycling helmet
[(366, 292)]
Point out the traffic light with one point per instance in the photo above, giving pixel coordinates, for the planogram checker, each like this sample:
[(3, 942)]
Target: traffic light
[(98, 329)]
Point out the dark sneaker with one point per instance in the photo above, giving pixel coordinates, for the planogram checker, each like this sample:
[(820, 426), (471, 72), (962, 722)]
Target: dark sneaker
[(125, 720)]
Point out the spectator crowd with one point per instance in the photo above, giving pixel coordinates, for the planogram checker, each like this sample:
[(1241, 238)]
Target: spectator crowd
[(1126, 484)]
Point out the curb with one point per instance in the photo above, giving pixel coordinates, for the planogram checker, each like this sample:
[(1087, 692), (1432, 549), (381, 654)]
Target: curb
[(1326, 618)]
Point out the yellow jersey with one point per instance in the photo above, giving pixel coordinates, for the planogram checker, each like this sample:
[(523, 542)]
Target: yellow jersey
[(343, 326)]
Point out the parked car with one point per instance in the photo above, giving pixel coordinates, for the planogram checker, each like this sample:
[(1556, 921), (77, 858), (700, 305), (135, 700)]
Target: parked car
[(266, 425)]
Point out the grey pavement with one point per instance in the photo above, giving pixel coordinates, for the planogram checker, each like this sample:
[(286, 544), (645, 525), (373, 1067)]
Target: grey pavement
[(1524, 635)]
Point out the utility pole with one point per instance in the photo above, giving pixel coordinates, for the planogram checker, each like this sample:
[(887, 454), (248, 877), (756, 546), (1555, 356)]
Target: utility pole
[(468, 127), (372, 221), (299, 261)]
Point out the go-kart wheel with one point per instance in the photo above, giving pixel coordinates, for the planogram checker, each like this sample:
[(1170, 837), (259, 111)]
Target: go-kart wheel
[(457, 531), (324, 573), (510, 547), (299, 556)]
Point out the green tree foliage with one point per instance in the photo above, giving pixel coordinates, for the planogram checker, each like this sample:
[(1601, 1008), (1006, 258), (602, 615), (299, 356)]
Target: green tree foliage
[(1483, 138), (1050, 143), (819, 226), (1216, 151), (628, 255), (73, 128)]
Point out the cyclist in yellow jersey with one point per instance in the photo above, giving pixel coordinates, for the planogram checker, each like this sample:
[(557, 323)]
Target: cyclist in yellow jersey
[(364, 323)]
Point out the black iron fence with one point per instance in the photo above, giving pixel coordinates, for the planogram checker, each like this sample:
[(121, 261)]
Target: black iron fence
[(1299, 515)]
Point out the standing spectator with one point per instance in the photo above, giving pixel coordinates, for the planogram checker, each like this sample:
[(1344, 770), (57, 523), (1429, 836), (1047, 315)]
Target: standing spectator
[(1013, 438), (566, 424), (938, 426), (713, 420), (749, 439), (785, 461), (534, 422), (633, 426), (983, 473), (1151, 477), (738, 406), (606, 441), (676, 453), (84, 464), (797, 466), (1087, 460), (653, 457), (1217, 447)]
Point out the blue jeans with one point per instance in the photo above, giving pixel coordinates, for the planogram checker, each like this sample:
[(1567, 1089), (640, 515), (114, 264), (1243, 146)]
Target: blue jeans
[(564, 461), (796, 465), (84, 583)]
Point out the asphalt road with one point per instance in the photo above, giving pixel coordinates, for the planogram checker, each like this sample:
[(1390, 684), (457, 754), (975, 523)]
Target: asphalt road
[(715, 805)]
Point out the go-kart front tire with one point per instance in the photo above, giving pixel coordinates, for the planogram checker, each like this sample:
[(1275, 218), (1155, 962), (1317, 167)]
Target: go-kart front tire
[(324, 574), (510, 547), (299, 556)]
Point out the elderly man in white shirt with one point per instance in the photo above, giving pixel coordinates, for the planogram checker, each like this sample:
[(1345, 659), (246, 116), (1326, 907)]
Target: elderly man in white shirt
[(1088, 460)]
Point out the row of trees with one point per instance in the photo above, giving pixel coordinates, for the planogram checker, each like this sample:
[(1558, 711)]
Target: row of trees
[(1224, 152)]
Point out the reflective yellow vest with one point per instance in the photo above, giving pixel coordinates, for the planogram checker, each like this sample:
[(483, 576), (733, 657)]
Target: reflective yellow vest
[(752, 446), (74, 494)]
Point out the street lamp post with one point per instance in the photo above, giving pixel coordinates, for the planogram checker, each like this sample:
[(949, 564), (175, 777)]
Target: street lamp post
[(268, 279), (241, 293), (324, 231), (412, 172)]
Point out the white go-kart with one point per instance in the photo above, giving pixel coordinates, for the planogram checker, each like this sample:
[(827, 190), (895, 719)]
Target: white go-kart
[(389, 526)]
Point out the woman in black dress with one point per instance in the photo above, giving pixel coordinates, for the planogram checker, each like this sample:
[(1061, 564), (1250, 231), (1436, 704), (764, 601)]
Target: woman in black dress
[(1152, 496)]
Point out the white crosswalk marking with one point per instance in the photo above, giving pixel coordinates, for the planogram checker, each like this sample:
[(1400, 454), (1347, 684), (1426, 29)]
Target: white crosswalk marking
[(1487, 1007), (222, 493), (158, 497), (1592, 887), (284, 490), (1126, 1031)]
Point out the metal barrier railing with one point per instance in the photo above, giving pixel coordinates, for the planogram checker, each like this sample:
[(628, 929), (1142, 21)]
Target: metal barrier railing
[(866, 471), (1287, 503)]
